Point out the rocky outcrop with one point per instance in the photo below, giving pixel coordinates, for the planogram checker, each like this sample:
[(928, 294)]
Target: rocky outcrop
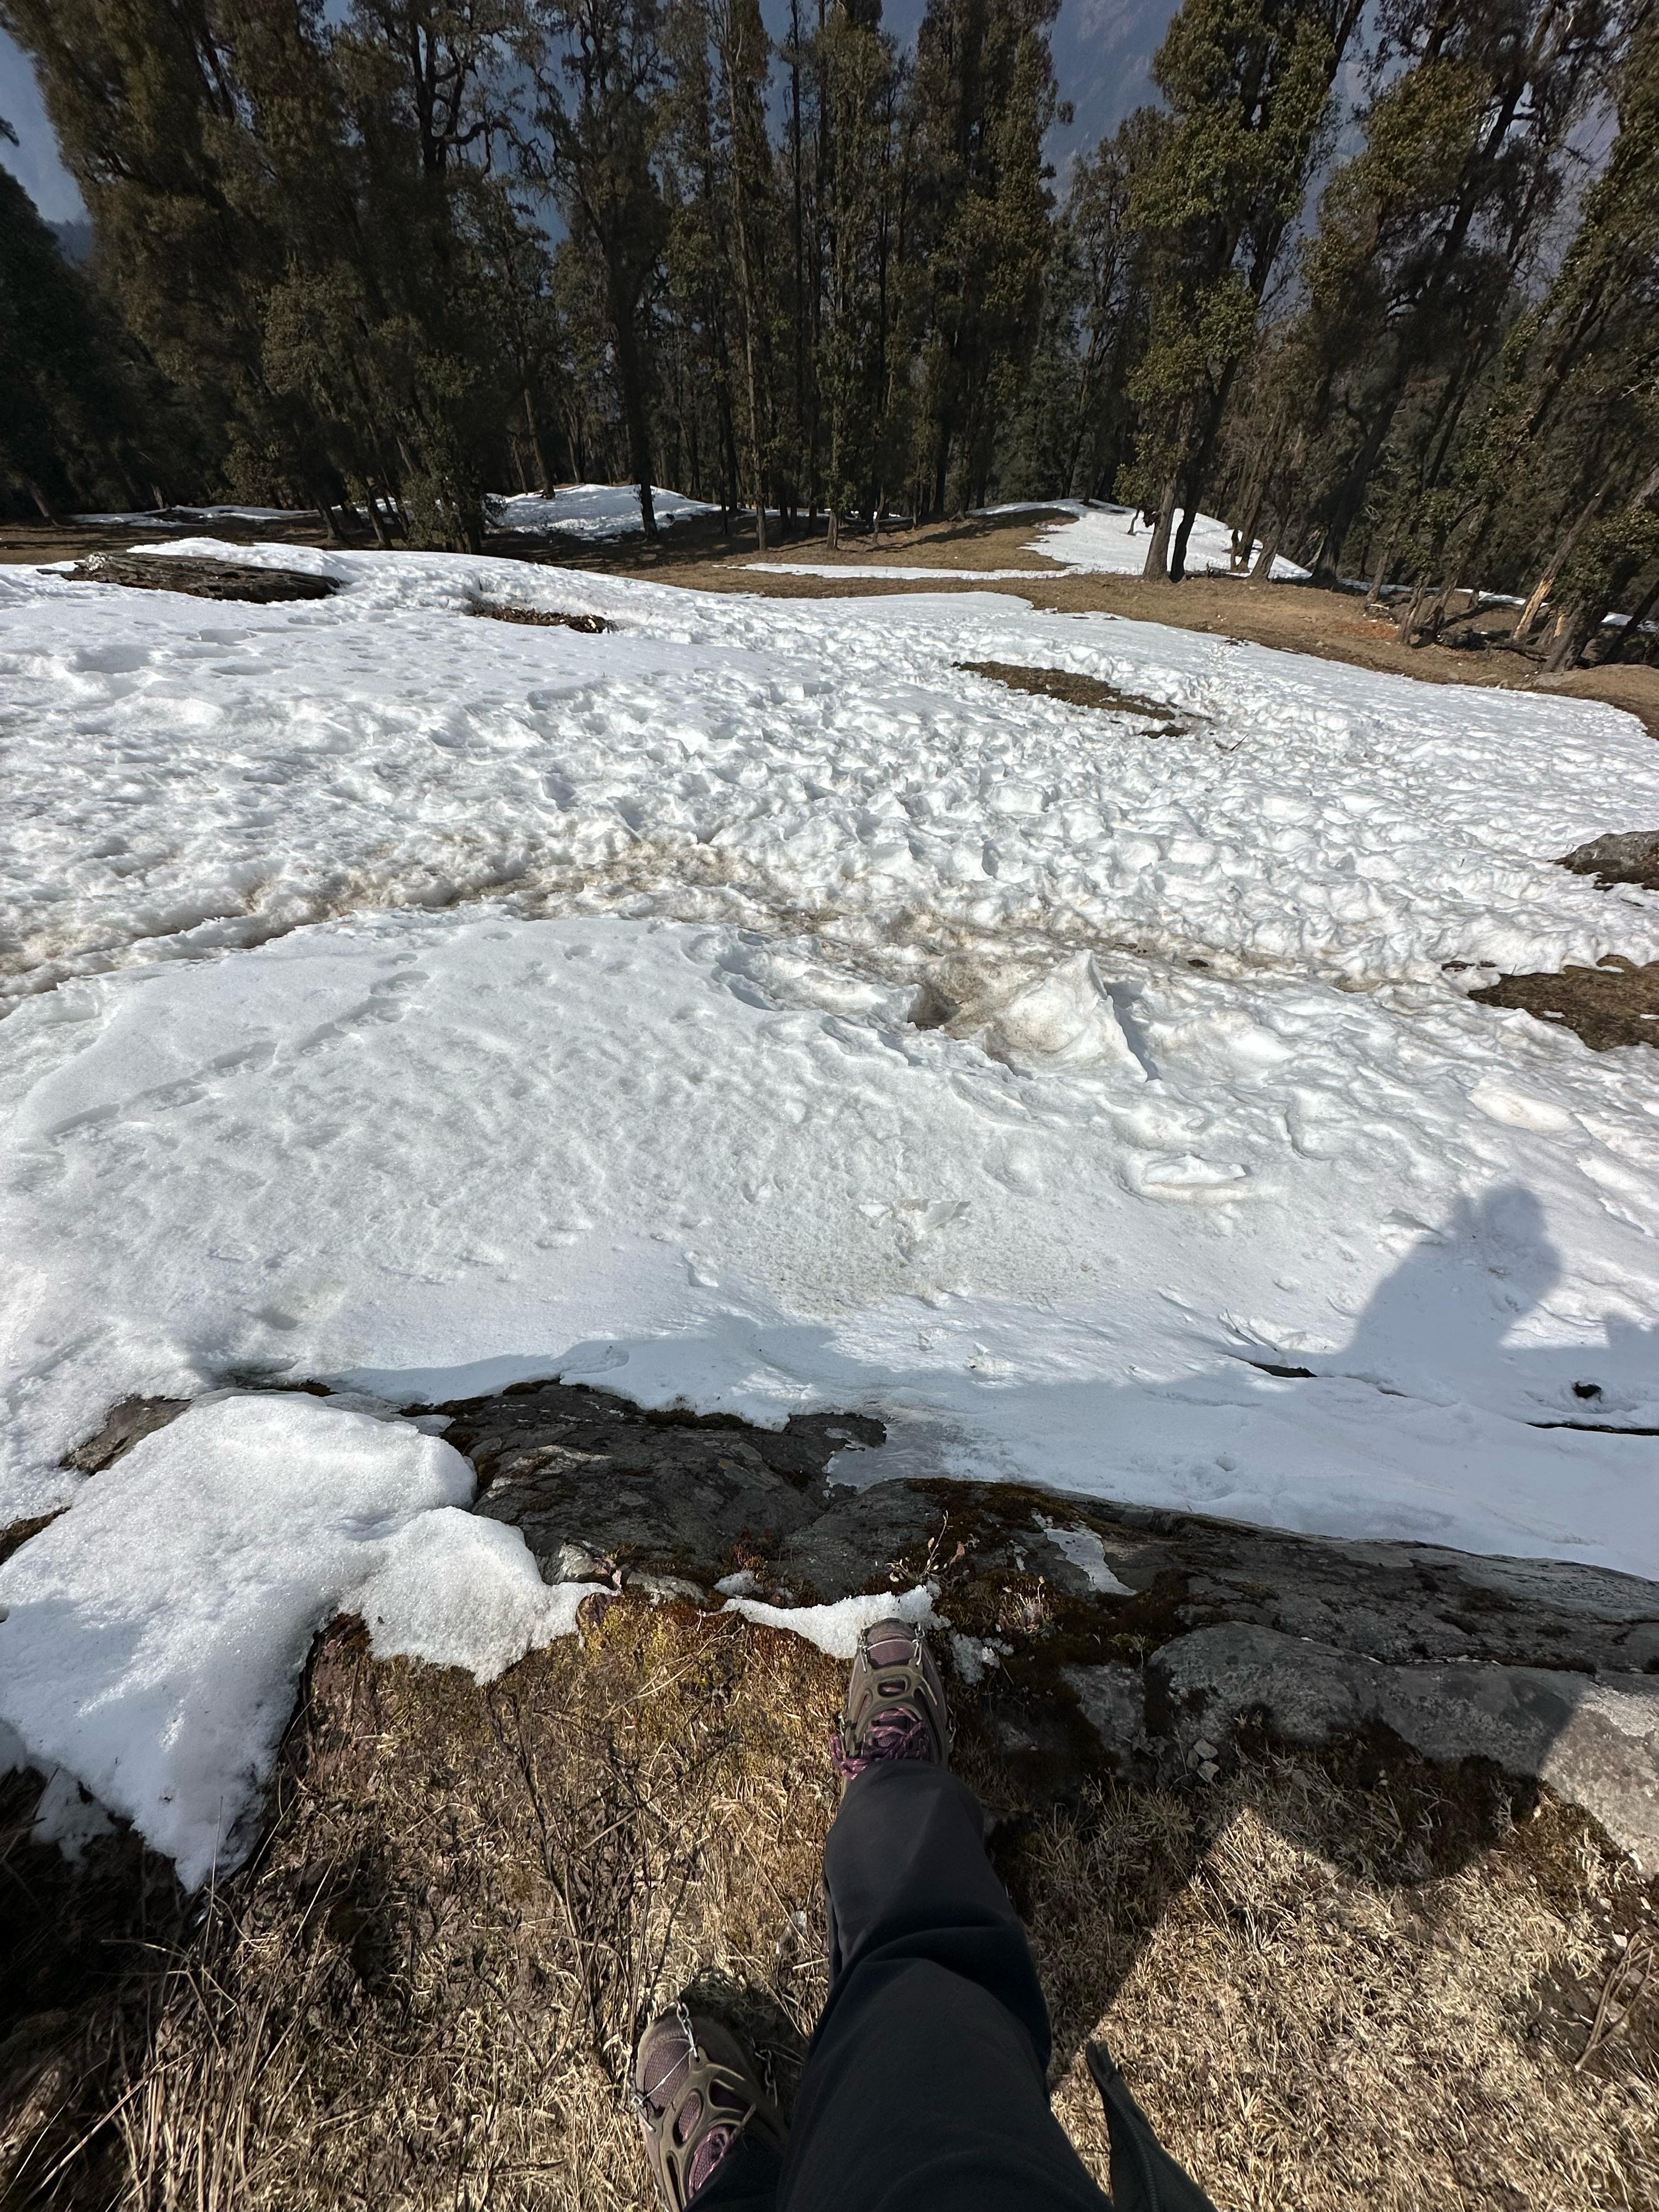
[(1593, 1739), (1163, 1633), (1088, 1630), (202, 578)]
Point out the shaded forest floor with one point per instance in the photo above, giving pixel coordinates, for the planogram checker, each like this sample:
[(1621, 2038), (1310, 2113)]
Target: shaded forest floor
[(700, 556)]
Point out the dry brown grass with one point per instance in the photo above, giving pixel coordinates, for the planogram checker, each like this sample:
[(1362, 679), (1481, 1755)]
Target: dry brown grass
[(1326, 2015), (430, 1992), (1330, 1992), (540, 617), (1614, 1004), (1063, 684)]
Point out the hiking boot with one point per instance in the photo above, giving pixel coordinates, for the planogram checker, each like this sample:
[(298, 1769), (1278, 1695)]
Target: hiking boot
[(895, 1705), (697, 2089)]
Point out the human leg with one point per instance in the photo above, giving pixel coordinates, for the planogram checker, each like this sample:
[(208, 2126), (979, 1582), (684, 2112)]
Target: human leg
[(925, 2084)]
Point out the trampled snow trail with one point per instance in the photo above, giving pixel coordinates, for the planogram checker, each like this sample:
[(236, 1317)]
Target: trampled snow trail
[(798, 1020)]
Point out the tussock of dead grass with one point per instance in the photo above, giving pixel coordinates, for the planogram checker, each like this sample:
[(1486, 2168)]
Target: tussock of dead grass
[(1327, 2015), (427, 1990), (430, 1990)]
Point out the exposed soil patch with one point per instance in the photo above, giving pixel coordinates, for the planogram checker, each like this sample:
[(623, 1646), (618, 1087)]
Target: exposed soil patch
[(125, 1422), (1331, 1986), (541, 617), (1078, 691), (202, 578), (1614, 1004)]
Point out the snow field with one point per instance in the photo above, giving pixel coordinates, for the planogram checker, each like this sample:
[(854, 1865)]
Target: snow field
[(182, 779), (428, 1155), (773, 1016)]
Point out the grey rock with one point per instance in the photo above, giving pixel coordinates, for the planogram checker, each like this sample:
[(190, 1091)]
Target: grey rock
[(574, 1563), (1539, 1666), (1625, 856), (847, 1545), (675, 1503), (1594, 1742), (662, 1590), (1113, 1698), (575, 1468)]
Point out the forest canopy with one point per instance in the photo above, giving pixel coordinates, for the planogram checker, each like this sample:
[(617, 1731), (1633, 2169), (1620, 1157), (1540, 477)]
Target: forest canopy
[(1379, 284)]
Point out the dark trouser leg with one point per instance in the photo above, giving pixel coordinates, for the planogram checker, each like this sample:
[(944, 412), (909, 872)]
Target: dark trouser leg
[(926, 2083)]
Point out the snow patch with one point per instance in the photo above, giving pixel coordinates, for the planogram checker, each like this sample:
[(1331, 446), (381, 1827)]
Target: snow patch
[(153, 1635), (885, 573), (1085, 1551), (1067, 1020), (1102, 540), (837, 1629)]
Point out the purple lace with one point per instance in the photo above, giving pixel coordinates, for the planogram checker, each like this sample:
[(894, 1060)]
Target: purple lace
[(896, 1732)]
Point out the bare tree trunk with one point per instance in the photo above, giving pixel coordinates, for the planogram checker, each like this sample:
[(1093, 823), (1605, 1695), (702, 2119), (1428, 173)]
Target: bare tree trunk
[(1574, 629), (751, 305), (1528, 618), (1261, 573), (1178, 553), (1373, 597), (544, 474), (636, 419), (1578, 625), (1406, 630), (1156, 568)]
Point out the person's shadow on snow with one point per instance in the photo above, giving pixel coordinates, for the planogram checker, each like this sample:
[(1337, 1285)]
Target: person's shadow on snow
[(1446, 1326)]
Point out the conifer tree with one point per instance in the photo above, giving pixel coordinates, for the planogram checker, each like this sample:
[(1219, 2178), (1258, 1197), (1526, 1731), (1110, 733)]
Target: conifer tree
[(600, 78), (743, 68), (1424, 236), (1249, 85), (84, 419), (981, 100), (858, 78)]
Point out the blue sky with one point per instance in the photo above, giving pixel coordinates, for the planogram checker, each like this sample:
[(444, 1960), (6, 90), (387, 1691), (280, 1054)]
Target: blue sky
[(34, 159), (1102, 49)]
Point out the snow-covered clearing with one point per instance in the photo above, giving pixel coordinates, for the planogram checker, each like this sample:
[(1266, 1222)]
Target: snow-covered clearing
[(1101, 540), (591, 510), (594, 510), (417, 1003)]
